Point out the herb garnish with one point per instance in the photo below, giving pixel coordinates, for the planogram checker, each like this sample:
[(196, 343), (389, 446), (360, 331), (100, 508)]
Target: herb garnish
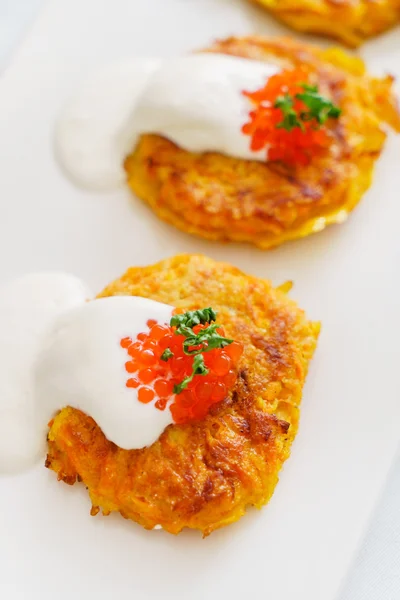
[(196, 344), (166, 355), (319, 108)]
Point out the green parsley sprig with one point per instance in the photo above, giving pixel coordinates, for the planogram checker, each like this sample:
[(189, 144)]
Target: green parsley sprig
[(196, 344), (166, 355), (290, 116), (320, 109), (199, 368)]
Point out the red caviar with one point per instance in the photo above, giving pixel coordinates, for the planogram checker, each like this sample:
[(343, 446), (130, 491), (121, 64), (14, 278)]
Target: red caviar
[(295, 146), (155, 378), (145, 394)]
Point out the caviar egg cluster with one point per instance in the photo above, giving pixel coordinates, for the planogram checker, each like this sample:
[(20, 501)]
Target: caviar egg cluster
[(155, 378), (293, 141)]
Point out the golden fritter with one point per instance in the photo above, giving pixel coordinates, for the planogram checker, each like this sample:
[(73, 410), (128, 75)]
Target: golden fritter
[(350, 21), (202, 474), (223, 198)]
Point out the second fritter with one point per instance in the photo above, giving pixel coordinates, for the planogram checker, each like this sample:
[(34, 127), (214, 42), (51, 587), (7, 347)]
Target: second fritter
[(267, 203)]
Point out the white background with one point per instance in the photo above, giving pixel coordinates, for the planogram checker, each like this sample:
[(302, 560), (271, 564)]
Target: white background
[(375, 574)]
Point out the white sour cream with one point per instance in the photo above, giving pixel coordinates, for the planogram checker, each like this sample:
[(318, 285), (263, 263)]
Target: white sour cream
[(56, 349), (83, 365), (195, 101), (28, 306)]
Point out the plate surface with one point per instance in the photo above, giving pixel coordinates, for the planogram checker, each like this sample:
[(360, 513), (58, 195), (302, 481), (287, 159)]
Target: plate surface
[(301, 544)]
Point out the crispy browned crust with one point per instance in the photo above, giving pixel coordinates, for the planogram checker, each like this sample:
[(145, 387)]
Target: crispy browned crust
[(349, 21), (222, 198), (202, 475)]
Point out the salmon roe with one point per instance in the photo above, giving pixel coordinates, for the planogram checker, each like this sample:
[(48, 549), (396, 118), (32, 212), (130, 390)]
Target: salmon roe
[(155, 378), (295, 146)]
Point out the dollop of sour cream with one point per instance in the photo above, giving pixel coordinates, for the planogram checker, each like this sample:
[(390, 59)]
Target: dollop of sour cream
[(196, 101), (28, 306), (57, 349), (82, 365)]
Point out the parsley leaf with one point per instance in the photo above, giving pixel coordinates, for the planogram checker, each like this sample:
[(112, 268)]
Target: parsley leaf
[(191, 318), (199, 368), (290, 118), (208, 339), (166, 355), (195, 344), (320, 109)]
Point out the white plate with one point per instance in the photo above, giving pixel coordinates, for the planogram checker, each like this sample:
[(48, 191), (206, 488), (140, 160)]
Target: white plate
[(300, 545)]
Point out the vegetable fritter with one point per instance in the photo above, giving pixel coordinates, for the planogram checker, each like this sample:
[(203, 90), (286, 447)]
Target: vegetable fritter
[(202, 474), (267, 203), (350, 21)]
